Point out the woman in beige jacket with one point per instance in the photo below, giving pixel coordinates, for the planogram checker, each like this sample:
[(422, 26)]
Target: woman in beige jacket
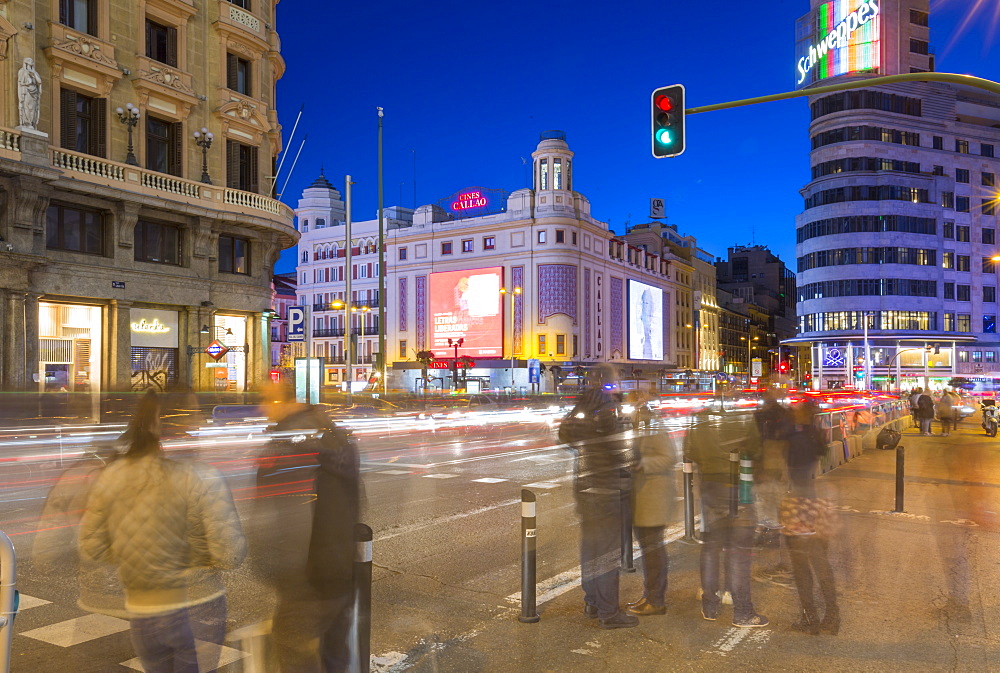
[(652, 499)]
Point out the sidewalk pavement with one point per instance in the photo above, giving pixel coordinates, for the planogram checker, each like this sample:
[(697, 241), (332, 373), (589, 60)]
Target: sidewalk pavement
[(919, 590)]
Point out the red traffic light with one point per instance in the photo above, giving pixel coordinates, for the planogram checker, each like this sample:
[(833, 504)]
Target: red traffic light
[(664, 103)]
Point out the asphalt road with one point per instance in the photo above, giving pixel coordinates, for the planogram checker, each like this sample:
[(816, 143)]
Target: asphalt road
[(443, 505)]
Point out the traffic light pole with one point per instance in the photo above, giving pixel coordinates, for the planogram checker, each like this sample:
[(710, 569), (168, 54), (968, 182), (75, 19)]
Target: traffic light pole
[(946, 77)]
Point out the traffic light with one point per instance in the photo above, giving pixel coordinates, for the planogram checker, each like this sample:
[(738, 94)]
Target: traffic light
[(782, 366), (668, 121)]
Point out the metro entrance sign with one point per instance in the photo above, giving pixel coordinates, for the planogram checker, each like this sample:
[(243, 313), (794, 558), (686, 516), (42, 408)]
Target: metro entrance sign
[(216, 350)]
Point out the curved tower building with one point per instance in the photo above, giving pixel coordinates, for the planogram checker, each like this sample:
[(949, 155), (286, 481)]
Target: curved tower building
[(896, 285)]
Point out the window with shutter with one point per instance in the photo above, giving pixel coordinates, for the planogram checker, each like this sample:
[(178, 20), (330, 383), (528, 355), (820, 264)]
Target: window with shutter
[(172, 46), (99, 129), (252, 184), (67, 119), (79, 15), (231, 71), (176, 149), (232, 164)]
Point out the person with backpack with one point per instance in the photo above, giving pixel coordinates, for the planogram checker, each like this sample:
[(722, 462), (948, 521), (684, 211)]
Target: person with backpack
[(601, 488), (708, 443), (309, 502), (925, 413), (169, 527)]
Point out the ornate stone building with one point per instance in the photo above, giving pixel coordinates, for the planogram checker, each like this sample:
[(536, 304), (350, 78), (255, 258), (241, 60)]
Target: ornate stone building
[(136, 225)]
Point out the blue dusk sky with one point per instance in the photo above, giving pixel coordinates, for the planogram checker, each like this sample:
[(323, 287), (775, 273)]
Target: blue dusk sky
[(468, 87)]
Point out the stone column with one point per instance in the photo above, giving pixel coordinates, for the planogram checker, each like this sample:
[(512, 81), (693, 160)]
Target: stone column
[(117, 354), (14, 370), (256, 366), (31, 355)]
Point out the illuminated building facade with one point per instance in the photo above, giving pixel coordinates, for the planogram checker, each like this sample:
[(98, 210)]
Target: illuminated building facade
[(135, 143), (585, 295), (899, 220)]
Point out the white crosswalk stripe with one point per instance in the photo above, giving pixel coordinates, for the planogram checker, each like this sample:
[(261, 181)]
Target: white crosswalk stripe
[(489, 480), (78, 630)]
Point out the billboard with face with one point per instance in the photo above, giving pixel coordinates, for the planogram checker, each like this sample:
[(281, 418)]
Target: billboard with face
[(645, 321), (467, 305)]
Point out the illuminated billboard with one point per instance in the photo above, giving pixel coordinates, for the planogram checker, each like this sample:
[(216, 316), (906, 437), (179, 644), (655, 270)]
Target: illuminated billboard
[(839, 37), (645, 321), (467, 305)]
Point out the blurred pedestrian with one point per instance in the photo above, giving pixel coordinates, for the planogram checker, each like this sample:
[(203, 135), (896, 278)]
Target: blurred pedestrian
[(653, 495), (169, 528), (708, 443), (914, 408), (944, 409), (309, 494), (806, 521), (770, 485), (601, 489), (925, 413)]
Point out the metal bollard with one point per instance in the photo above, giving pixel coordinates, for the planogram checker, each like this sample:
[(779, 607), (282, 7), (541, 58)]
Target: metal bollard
[(734, 482), (363, 594), (528, 553), (688, 469), (8, 599), (628, 559), (900, 460), (746, 481)]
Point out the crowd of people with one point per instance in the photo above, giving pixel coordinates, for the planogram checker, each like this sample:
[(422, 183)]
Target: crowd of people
[(615, 476), (926, 408)]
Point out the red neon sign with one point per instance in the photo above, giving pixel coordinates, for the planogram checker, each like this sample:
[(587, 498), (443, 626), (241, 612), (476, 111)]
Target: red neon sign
[(468, 200)]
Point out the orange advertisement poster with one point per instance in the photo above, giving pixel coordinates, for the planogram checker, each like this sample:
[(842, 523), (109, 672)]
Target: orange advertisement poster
[(467, 305)]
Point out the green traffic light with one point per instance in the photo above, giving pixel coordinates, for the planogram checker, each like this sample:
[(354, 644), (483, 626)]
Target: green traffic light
[(663, 137)]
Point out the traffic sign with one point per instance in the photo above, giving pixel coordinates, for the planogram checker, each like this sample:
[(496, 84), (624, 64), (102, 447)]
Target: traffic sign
[(216, 349), (296, 323)]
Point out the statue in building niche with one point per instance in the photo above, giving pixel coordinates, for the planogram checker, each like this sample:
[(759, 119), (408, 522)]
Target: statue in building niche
[(29, 94)]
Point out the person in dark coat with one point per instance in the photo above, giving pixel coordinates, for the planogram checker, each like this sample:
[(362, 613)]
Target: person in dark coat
[(806, 528), (309, 493), (601, 488), (925, 413)]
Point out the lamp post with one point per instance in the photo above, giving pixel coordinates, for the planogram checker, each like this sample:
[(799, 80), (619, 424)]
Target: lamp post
[(456, 344), (130, 118), (338, 305), (749, 353), (513, 292), (203, 139), (868, 353), (361, 320)]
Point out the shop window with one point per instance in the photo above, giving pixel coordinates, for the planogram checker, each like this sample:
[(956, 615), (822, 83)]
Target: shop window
[(157, 242), (164, 146), (560, 344), (234, 255), (161, 43), (241, 166), (238, 74), (489, 243), (153, 368), (446, 248), (74, 229), (542, 349), (79, 15), (82, 123), (468, 245)]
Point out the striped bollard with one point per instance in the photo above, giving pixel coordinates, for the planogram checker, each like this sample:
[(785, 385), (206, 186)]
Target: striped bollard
[(529, 615), (746, 481), (734, 482)]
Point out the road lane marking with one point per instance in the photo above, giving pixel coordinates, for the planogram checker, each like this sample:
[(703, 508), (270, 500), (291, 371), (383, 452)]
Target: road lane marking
[(28, 602), (78, 630), (439, 476), (405, 530), (489, 480), (542, 484), (210, 657)]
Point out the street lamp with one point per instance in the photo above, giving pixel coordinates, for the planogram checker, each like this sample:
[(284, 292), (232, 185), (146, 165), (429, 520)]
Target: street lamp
[(203, 139), (513, 292), (749, 354), (456, 345), (130, 118)]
